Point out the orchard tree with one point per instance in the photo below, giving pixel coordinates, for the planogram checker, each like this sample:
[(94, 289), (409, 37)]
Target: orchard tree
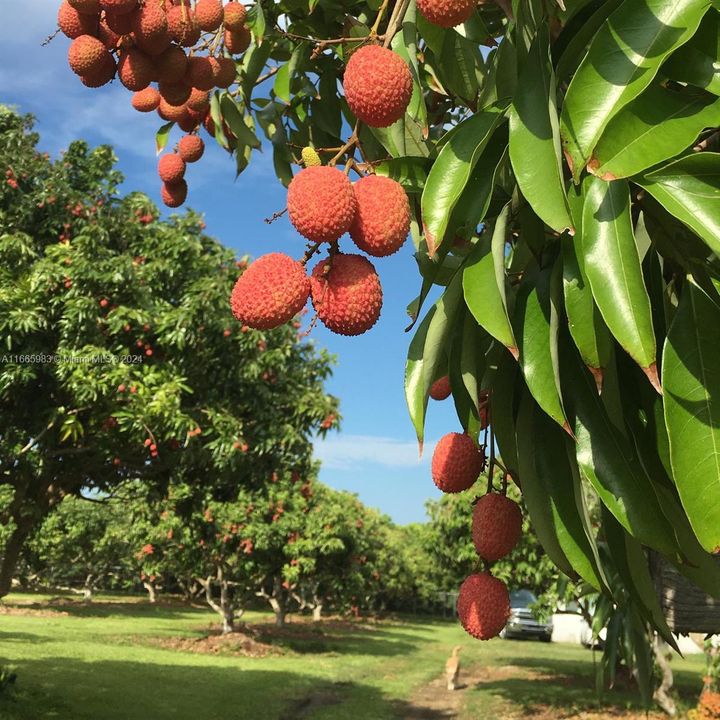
[(120, 358), (556, 164)]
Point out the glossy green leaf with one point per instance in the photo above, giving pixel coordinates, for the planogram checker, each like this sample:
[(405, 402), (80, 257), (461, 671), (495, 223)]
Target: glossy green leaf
[(484, 284), (162, 136), (689, 189), (410, 172), (451, 171), (405, 45), (256, 21), (624, 57), (237, 123), (691, 381), (658, 125), (504, 382), (535, 342), (535, 150), (613, 268), (427, 353)]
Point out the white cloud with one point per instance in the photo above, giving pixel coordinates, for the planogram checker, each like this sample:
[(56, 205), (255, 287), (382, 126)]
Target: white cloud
[(348, 452)]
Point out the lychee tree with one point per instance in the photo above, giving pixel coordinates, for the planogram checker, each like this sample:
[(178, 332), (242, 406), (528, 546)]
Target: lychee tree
[(562, 189), (119, 360)]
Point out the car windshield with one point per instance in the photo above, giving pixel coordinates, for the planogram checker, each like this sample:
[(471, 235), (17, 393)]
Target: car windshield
[(522, 599)]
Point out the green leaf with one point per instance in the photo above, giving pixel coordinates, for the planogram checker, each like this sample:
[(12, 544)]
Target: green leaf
[(613, 267), (689, 189), (219, 122), (162, 136), (535, 150), (410, 172), (405, 44), (452, 170), (256, 21), (427, 353), (253, 63), (691, 381), (484, 284), (502, 377), (237, 123), (623, 59), (658, 125)]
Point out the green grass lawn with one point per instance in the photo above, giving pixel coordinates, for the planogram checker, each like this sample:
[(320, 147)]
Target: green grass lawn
[(110, 661)]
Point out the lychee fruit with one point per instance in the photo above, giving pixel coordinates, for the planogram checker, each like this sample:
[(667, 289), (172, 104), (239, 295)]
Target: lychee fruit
[(440, 389), (183, 26), (73, 24), (209, 14), (171, 64), (176, 93), (174, 194), (171, 168), (172, 113), (310, 157), (135, 69), (496, 526), (198, 100), (224, 71), (101, 76), (87, 55), (456, 463), (321, 203), (446, 13), (121, 23), (189, 122), (86, 7), (191, 148), (378, 85), (121, 7), (270, 292), (234, 15), (346, 293), (382, 220), (237, 41), (146, 100), (199, 73), (483, 605), (149, 23), (109, 37)]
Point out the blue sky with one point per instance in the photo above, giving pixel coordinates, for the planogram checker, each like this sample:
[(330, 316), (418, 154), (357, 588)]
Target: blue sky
[(375, 454)]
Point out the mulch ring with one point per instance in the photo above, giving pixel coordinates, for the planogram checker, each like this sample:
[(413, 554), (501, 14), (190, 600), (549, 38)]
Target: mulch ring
[(32, 610)]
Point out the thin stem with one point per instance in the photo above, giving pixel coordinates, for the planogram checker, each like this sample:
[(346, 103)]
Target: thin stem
[(378, 19), (395, 21)]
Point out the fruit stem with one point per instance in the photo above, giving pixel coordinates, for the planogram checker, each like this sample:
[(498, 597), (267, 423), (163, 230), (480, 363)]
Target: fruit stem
[(351, 143), (275, 216), (378, 19), (396, 18)]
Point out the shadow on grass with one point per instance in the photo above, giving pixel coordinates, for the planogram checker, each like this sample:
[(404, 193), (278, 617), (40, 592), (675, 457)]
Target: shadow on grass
[(67, 688), (99, 609)]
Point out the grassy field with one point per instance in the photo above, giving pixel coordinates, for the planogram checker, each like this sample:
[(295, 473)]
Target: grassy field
[(121, 660)]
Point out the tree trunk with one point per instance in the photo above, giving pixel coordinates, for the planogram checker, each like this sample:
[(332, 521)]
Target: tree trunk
[(11, 554), (226, 605), (277, 603), (88, 588), (152, 591), (662, 693), (317, 612)]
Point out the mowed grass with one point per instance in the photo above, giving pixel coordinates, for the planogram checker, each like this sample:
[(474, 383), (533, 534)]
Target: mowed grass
[(104, 662)]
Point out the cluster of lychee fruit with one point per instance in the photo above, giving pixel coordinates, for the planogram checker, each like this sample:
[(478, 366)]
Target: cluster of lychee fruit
[(145, 44), (483, 604)]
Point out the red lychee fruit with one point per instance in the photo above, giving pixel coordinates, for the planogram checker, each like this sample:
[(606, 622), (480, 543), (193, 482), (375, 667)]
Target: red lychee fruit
[(135, 69), (234, 15), (456, 463), (496, 526), (321, 203), (107, 35), (191, 148), (102, 76), (171, 64), (382, 219), (172, 113), (174, 194), (270, 292), (199, 73), (378, 85), (119, 23), (446, 13), (171, 168), (87, 55), (483, 605), (121, 7), (150, 28), (175, 93), (183, 26), (73, 24), (346, 293), (237, 41), (198, 100), (224, 71), (440, 389), (188, 123), (146, 100), (86, 7), (209, 14)]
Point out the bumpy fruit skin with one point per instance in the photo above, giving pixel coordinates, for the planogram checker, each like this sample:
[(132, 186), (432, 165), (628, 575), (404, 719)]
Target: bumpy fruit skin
[(120, 23), (88, 7), (107, 35), (191, 148), (496, 526), (87, 55), (209, 14), (183, 26), (150, 29), (446, 13), (102, 76), (171, 64), (172, 113), (121, 7), (73, 24), (174, 194), (440, 389), (198, 100), (146, 100), (270, 292), (382, 220), (135, 69), (171, 168), (348, 296), (234, 16), (176, 93), (378, 85), (224, 71), (456, 463), (199, 73), (483, 605), (321, 203), (237, 41), (310, 157)]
